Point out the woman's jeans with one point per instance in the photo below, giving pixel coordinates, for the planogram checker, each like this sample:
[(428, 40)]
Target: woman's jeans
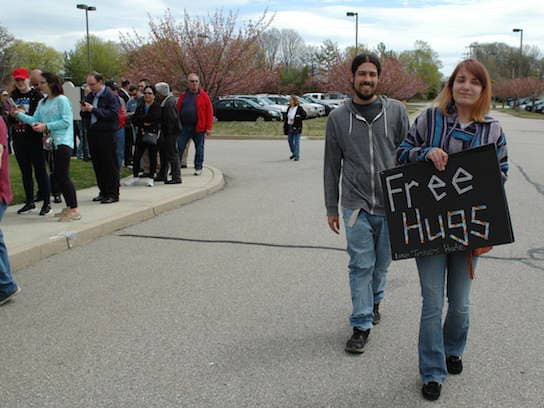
[(120, 148), (294, 142), (7, 284), (369, 257), (436, 341)]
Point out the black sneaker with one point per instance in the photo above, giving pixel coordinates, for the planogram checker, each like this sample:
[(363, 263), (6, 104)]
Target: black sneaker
[(431, 390), (46, 210), (57, 199), (376, 317), (27, 208), (357, 341), (454, 364)]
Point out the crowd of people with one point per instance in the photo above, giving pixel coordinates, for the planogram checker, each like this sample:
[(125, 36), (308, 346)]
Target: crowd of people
[(136, 126)]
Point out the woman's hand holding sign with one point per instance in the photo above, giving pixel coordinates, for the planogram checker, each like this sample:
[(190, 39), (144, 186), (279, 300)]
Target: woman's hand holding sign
[(439, 157)]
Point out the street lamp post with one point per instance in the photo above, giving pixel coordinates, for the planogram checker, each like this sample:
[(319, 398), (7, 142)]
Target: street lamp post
[(87, 9), (352, 14), (520, 30)]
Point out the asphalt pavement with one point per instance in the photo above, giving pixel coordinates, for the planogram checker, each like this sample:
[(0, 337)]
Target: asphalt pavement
[(241, 299)]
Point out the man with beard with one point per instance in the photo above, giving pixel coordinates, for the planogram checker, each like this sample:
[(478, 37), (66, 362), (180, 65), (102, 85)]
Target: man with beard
[(361, 140)]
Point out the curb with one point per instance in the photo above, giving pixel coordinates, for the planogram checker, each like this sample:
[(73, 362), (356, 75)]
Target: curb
[(30, 254)]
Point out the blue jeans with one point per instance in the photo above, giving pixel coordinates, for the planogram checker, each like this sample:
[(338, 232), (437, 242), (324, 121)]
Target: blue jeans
[(82, 150), (436, 341), (369, 257), (120, 147), (7, 284), (294, 142), (187, 133)]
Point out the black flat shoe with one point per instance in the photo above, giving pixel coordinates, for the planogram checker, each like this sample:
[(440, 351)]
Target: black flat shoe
[(431, 391), (109, 200), (172, 182), (454, 364), (98, 198), (57, 199)]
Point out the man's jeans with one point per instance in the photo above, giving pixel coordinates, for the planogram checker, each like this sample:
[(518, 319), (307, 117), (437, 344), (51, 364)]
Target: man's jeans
[(7, 284), (369, 257), (437, 341), (198, 138)]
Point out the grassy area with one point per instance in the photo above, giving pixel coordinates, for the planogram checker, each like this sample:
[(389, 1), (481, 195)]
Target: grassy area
[(522, 113), (81, 172), (313, 128)]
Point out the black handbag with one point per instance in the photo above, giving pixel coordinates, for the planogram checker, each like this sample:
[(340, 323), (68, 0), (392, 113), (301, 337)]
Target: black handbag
[(150, 138)]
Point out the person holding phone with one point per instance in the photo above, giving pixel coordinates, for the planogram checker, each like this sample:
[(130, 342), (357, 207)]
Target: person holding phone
[(54, 120)]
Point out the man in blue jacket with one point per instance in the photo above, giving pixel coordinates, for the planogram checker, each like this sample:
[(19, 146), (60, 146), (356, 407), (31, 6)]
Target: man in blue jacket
[(100, 110)]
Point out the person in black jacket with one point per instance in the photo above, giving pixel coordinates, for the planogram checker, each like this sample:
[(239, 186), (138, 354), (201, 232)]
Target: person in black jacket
[(292, 126), (101, 114), (28, 145), (147, 119), (170, 128)]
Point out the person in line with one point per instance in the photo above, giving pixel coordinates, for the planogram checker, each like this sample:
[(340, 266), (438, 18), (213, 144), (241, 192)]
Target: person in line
[(292, 126), (170, 128), (459, 121), (28, 147), (361, 141), (129, 127), (120, 133), (196, 116), (147, 119), (54, 119), (8, 288), (100, 111)]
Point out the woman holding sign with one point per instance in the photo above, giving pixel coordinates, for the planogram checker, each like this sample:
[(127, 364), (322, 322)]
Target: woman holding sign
[(459, 121)]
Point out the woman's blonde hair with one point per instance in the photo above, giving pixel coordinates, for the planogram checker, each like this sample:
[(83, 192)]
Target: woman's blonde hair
[(482, 105), (294, 98)]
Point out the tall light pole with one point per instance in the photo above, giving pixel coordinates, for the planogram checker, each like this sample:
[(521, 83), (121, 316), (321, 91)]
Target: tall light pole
[(352, 14), (87, 9), (520, 30)]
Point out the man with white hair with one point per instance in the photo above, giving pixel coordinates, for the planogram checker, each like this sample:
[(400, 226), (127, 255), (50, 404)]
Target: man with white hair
[(170, 128)]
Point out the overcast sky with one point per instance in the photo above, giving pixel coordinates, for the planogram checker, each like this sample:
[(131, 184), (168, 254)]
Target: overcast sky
[(449, 26)]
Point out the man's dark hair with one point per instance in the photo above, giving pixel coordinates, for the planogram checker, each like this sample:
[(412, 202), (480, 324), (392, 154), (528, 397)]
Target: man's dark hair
[(145, 80), (152, 89), (366, 57), (97, 76), (132, 88), (111, 84), (125, 82), (54, 83)]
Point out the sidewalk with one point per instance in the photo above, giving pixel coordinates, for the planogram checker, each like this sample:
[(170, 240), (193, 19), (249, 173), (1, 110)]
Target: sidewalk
[(31, 237)]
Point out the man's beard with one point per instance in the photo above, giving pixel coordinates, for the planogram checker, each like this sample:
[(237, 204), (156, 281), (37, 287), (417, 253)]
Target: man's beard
[(361, 95)]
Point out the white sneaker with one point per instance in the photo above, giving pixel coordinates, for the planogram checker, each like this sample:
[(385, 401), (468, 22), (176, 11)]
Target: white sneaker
[(150, 182), (130, 181), (198, 172)]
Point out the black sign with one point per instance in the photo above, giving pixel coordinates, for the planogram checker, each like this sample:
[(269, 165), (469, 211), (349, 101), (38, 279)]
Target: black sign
[(431, 212)]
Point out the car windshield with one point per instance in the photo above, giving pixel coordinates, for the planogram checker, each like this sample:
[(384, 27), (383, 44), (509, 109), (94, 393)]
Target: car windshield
[(250, 102)]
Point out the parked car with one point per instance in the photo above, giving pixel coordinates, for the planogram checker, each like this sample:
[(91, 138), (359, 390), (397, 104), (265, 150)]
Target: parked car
[(328, 105), (312, 111), (331, 97), (265, 103), (529, 105), (318, 108), (239, 109)]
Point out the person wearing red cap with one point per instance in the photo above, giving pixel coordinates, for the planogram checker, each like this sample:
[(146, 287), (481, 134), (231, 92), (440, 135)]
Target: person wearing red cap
[(28, 145)]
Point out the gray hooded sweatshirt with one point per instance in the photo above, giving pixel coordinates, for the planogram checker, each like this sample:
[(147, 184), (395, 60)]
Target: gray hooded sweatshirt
[(358, 151)]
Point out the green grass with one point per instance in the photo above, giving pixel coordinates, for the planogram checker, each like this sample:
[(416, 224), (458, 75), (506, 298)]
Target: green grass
[(312, 128), (522, 113), (81, 173)]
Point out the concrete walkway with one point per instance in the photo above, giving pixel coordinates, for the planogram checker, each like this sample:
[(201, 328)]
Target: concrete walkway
[(31, 237)]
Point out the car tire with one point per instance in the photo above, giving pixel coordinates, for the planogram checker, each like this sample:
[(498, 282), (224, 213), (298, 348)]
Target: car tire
[(259, 118)]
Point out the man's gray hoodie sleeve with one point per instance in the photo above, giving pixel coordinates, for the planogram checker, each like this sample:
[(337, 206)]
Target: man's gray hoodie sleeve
[(332, 168)]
